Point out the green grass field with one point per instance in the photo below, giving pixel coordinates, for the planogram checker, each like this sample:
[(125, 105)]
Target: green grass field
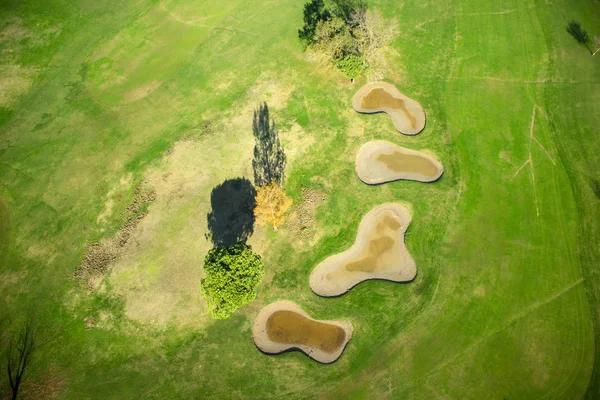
[(97, 98)]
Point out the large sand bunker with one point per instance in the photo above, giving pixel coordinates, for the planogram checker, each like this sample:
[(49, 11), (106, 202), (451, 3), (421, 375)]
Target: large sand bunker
[(379, 161), (379, 252), (283, 325), (407, 114)]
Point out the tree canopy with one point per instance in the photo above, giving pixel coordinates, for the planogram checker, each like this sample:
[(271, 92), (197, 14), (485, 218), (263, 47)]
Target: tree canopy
[(352, 65), (314, 12), (344, 9), (232, 277), (271, 205), (333, 39), (350, 37)]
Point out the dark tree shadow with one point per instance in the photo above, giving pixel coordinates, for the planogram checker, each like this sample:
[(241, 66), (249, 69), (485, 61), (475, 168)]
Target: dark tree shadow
[(20, 349), (269, 158), (579, 34), (232, 217), (595, 185), (314, 12)]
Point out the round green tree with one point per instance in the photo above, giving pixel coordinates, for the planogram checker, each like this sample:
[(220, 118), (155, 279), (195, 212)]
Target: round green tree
[(232, 276)]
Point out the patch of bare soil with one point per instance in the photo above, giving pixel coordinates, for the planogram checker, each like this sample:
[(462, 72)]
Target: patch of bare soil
[(47, 387), (379, 252), (17, 78), (14, 81), (301, 221), (283, 326), (99, 255), (273, 89), (14, 280)]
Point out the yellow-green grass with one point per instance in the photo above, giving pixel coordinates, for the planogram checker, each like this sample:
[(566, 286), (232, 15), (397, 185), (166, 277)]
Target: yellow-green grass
[(505, 304)]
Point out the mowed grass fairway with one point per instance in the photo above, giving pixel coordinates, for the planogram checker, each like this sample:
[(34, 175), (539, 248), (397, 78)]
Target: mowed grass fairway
[(97, 98)]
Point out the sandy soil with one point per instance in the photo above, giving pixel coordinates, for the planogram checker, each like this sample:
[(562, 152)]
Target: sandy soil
[(379, 161), (283, 326), (407, 114), (379, 252), (301, 222)]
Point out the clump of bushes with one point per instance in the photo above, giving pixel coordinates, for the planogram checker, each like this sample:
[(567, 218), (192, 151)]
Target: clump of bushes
[(352, 65), (347, 35)]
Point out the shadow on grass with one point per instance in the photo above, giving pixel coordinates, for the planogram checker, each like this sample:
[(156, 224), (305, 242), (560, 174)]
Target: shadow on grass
[(231, 219), (579, 34), (269, 158)]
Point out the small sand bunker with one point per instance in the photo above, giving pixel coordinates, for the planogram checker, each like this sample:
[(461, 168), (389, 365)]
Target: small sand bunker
[(283, 325), (407, 114), (379, 161), (379, 252)]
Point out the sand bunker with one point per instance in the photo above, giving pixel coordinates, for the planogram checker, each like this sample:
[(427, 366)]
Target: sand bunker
[(283, 325), (379, 252), (379, 161), (407, 114)]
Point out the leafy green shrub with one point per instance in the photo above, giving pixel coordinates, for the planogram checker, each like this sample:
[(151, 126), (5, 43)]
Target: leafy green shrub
[(232, 276), (351, 65)]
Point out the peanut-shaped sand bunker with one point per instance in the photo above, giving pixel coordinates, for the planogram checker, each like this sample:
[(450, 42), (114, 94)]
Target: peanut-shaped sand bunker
[(378, 252), (283, 325), (407, 114), (379, 161)]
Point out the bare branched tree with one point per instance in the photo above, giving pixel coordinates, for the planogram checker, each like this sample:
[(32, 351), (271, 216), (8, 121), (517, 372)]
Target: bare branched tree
[(597, 42), (372, 34), (19, 353), (345, 8), (333, 39), (350, 37)]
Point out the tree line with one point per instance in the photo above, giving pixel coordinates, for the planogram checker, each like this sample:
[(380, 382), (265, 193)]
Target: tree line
[(232, 269)]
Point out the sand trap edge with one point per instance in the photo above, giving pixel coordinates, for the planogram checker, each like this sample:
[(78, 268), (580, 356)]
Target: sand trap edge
[(367, 149), (324, 266), (420, 114), (267, 346)]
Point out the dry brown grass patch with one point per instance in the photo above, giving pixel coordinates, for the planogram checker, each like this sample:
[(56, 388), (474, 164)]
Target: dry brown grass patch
[(47, 387), (301, 222), (101, 254), (140, 92)]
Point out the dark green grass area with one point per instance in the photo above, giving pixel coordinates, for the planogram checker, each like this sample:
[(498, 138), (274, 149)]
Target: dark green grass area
[(506, 302)]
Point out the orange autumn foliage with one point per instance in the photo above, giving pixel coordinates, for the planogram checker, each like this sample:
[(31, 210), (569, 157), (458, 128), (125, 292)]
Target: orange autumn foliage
[(271, 205)]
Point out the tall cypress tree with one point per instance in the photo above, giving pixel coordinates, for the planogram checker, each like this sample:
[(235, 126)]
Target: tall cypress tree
[(269, 158)]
